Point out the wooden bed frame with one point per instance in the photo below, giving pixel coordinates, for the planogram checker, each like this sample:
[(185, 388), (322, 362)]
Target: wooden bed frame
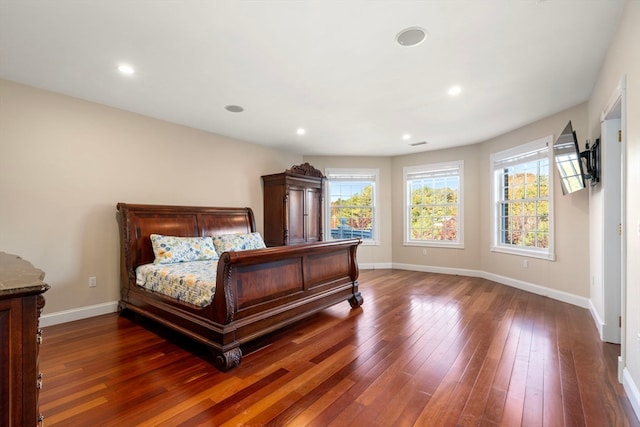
[(257, 291)]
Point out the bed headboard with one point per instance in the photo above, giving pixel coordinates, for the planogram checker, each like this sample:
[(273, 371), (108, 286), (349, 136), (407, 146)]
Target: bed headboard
[(138, 222)]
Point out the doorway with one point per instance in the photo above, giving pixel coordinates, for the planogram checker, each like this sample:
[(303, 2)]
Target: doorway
[(613, 146)]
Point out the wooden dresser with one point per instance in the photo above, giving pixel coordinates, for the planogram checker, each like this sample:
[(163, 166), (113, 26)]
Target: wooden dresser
[(293, 206), (21, 302)]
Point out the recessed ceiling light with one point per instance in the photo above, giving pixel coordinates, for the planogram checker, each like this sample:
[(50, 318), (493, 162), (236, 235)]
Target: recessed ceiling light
[(126, 69), (411, 36), (406, 136), (454, 90), (301, 131), (234, 108)]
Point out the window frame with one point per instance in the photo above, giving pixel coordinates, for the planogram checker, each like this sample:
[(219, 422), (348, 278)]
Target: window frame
[(515, 156), (433, 168), (365, 173)]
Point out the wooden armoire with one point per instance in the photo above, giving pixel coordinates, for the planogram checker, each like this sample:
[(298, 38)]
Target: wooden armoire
[(293, 206), (21, 302)]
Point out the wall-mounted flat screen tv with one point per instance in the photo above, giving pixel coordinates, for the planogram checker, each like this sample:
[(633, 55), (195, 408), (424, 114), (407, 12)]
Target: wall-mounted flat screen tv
[(566, 153)]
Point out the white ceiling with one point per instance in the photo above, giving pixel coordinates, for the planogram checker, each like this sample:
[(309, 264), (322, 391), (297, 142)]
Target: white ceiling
[(330, 66)]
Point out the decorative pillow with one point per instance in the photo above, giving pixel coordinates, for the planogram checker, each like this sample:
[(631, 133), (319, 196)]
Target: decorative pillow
[(170, 249), (238, 242)]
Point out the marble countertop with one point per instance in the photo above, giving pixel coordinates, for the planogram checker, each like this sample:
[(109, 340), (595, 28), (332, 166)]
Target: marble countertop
[(16, 274)]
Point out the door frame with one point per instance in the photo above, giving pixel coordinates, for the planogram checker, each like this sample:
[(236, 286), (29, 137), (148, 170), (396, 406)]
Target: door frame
[(618, 98)]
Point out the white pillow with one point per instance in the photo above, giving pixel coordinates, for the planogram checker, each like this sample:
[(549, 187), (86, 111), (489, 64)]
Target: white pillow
[(238, 242), (170, 249)]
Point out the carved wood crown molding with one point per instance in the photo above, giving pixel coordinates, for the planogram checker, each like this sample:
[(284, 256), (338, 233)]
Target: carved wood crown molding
[(305, 169)]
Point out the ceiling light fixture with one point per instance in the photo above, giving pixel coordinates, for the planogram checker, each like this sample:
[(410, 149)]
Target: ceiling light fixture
[(301, 131), (454, 90), (234, 108), (126, 69), (406, 136), (411, 36)]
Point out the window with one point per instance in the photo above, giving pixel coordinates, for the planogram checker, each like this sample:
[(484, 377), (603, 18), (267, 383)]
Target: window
[(351, 211), (523, 199), (433, 208)]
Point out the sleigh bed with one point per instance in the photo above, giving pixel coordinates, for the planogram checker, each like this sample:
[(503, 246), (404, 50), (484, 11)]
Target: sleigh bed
[(254, 291)]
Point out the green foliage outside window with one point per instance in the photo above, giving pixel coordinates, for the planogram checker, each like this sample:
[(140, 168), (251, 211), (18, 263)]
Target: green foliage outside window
[(524, 208), (355, 212), (434, 209)]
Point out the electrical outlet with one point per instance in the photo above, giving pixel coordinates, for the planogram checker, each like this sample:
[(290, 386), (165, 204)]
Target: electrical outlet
[(525, 263), (424, 251), (93, 282)]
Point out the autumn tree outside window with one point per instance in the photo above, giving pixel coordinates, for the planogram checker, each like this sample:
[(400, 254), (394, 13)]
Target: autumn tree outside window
[(523, 200), (351, 207)]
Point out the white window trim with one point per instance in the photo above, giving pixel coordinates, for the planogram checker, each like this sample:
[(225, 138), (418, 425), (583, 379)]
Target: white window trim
[(459, 244), (549, 253), (375, 232)]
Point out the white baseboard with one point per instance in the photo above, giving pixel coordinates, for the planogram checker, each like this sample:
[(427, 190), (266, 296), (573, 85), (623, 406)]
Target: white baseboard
[(628, 383), (620, 370), (541, 290), (514, 283), (112, 307), (597, 320), (625, 377), (78, 313), (435, 269), (374, 266), (632, 392)]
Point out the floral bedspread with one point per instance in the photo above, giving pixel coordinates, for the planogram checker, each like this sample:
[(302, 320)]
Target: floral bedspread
[(193, 282)]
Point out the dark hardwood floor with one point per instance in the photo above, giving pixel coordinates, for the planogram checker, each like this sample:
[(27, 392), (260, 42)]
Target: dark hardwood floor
[(425, 350)]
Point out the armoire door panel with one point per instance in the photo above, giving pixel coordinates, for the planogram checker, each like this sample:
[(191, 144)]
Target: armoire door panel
[(297, 217)]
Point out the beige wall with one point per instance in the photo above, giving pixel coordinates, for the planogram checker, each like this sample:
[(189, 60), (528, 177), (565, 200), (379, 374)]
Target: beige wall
[(623, 60), (570, 271), (65, 163), (467, 258), (568, 274), (373, 256)]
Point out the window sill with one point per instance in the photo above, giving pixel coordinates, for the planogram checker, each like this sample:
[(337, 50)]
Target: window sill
[(524, 252), (364, 242), (444, 245)]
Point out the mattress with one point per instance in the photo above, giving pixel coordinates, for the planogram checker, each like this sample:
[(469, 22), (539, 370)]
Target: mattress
[(193, 282)]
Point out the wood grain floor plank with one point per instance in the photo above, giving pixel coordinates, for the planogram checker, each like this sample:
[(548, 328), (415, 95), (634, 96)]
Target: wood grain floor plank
[(514, 401), (425, 349), (572, 401), (533, 414), (480, 390), (281, 398), (316, 404), (450, 397), (553, 411)]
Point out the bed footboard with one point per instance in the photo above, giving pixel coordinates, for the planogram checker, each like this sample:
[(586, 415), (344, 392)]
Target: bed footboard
[(267, 289), (257, 291)]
